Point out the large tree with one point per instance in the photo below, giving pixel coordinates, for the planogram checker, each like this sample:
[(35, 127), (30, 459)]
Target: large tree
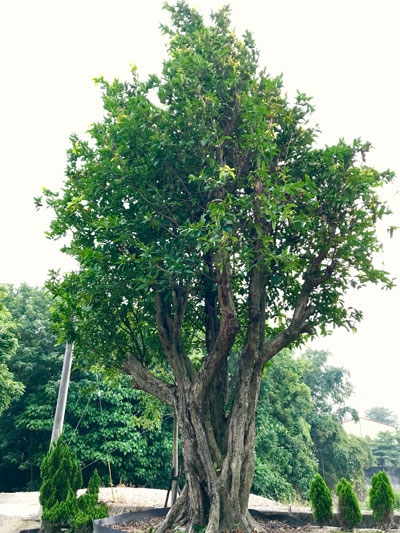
[(211, 233)]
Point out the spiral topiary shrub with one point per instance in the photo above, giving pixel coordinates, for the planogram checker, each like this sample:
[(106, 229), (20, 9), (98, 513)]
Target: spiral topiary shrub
[(321, 501), (348, 507), (61, 507), (381, 499)]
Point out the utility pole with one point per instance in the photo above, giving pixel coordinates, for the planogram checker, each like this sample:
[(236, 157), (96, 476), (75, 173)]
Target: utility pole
[(62, 394)]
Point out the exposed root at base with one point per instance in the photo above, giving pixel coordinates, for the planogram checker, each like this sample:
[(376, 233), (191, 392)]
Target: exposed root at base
[(259, 524)]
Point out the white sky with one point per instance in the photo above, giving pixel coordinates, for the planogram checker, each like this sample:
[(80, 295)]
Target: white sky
[(344, 53)]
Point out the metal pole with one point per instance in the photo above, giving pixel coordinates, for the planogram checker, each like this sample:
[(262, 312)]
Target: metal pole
[(62, 394), (175, 465)]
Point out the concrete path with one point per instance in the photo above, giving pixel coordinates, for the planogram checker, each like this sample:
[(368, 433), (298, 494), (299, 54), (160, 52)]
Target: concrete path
[(19, 511)]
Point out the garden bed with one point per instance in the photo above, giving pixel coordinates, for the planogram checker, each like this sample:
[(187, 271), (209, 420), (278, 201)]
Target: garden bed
[(274, 521)]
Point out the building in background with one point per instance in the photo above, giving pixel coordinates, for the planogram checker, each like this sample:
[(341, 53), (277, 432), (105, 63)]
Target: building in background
[(366, 427)]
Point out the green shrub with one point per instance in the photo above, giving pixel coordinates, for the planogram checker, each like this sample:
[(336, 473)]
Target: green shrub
[(88, 507), (381, 499), (321, 500), (61, 479), (270, 484), (349, 509)]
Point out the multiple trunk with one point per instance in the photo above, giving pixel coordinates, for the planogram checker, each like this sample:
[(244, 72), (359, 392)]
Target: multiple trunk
[(216, 412), (218, 454)]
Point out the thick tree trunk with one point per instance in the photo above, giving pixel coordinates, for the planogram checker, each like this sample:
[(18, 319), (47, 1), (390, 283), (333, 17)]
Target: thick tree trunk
[(219, 471)]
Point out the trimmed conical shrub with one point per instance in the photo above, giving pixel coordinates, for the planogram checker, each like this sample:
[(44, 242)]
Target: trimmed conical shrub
[(321, 501), (381, 499), (348, 508), (61, 479)]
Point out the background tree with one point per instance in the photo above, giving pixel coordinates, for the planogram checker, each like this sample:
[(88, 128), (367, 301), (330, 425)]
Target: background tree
[(339, 455), (285, 464), (210, 208), (9, 387), (26, 426), (386, 449), (105, 419), (330, 385), (109, 423), (384, 415)]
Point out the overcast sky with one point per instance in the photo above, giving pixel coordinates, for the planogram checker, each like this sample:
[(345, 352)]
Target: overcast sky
[(344, 53)]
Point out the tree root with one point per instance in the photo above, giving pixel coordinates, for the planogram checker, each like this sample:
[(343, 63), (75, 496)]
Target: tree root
[(179, 517)]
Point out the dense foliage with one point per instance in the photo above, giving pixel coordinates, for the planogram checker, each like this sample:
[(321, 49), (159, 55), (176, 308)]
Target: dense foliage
[(348, 507), (385, 449), (285, 463), (381, 499), (105, 420), (321, 501), (339, 455), (9, 387)]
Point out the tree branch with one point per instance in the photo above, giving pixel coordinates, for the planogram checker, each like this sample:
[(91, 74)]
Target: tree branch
[(144, 380), (228, 329), (303, 310), (169, 327)]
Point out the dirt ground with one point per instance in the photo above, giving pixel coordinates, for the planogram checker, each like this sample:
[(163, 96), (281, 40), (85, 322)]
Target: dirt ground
[(21, 510)]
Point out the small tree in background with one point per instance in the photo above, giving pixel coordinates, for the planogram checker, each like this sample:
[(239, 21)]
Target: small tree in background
[(321, 500), (381, 499), (349, 510), (61, 479)]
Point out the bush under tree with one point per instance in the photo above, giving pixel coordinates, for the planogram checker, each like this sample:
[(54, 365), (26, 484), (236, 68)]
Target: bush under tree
[(381, 499), (348, 507), (61, 479), (321, 501)]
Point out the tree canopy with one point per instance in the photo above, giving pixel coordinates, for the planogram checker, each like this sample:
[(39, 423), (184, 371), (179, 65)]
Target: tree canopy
[(211, 232), (382, 414)]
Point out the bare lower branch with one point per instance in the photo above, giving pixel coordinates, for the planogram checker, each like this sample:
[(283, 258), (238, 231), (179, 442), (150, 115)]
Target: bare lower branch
[(143, 379)]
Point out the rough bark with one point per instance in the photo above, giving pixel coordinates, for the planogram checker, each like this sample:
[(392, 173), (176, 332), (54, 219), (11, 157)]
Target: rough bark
[(218, 480)]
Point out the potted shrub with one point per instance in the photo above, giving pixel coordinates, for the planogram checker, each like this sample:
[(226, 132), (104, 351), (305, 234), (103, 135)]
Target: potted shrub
[(348, 507), (381, 499), (321, 501)]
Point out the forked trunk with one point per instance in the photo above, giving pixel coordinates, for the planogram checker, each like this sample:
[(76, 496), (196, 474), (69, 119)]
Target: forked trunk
[(219, 462)]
